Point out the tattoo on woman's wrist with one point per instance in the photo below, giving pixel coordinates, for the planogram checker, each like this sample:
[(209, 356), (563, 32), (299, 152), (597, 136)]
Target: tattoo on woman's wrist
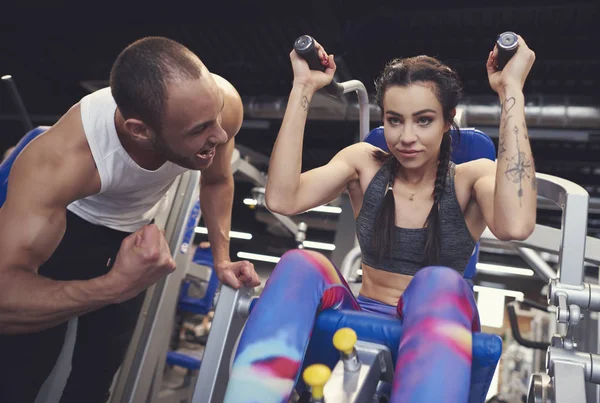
[(304, 102)]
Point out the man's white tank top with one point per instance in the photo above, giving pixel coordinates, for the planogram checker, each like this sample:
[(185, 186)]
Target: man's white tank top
[(130, 196)]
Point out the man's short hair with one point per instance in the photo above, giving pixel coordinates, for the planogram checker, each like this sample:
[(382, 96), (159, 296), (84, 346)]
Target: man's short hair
[(140, 76)]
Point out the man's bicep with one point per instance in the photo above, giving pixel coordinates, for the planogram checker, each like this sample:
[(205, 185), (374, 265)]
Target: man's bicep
[(29, 237), (40, 187)]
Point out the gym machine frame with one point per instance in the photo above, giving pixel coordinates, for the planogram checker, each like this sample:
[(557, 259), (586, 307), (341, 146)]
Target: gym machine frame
[(568, 370)]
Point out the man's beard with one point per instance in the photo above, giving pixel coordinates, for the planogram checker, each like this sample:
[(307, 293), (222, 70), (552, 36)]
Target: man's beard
[(161, 148)]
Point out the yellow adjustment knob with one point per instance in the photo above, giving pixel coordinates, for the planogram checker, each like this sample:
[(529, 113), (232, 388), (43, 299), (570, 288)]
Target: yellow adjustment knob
[(344, 340), (316, 376)]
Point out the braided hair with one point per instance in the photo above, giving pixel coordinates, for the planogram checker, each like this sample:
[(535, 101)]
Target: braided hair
[(448, 90)]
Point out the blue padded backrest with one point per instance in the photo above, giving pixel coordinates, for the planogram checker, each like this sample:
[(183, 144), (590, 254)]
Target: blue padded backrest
[(7, 164), (471, 144)]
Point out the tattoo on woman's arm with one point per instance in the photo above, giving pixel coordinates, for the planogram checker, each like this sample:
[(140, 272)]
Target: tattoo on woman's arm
[(519, 167), (305, 102)]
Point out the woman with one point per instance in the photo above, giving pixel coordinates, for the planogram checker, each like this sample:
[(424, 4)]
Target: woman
[(418, 219)]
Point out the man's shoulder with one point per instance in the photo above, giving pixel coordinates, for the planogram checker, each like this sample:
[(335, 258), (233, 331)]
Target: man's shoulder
[(233, 111), (225, 86)]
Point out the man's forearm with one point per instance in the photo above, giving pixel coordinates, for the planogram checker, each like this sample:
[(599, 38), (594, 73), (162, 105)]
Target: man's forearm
[(216, 201), (31, 303)]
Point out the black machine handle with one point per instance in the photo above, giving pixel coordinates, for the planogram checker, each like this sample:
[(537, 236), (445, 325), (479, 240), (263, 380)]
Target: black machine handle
[(508, 43), (514, 325), (305, 47)]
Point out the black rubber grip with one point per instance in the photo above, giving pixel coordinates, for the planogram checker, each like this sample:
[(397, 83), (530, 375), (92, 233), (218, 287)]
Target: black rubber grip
[(508, 44), (514, 326), (305, 47), (533, 304)]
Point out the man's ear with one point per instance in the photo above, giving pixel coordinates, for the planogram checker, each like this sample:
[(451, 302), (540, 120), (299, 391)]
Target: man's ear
[(138, 130)]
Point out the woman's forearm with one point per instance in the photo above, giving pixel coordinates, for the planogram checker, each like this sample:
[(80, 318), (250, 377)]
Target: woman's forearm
[(285, 165), (515, 196)]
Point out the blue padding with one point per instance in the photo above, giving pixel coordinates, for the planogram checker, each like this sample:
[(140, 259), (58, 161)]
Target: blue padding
[(471, 268), (7, 164), (387, 330), (204, 257), (184, 361), (472, 144)]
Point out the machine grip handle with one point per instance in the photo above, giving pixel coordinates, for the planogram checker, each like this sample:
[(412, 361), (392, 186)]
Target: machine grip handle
[(305, 48), (514, 326), (508, 43)]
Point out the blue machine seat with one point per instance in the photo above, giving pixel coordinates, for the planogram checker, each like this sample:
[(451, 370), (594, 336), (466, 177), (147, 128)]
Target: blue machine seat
[(387, 330), (183, 360), (7, 164)]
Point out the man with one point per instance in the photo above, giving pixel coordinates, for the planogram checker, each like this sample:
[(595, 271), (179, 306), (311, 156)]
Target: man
[(76, 232)]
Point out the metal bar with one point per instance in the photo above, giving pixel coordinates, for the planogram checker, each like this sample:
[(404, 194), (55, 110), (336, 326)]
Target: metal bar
[(543, 239), (593, 207), (363, 105), (574, 201), (569, 383), (287, 222), (596, 397), (539, 265), (485, 112), (375, 365), (135, 384), (251, 172), (345, 232), (230, 316), (258, 178), (14, 92), (349, 261), (124, 381), (162, 324)]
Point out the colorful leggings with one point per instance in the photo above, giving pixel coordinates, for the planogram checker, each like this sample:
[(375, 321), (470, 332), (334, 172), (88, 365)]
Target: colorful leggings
[(434, 357)]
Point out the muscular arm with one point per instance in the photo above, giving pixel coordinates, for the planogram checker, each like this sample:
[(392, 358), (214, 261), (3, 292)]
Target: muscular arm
[(216, 200), (216, 182), (288, 191), (507, 194), (50, 173)]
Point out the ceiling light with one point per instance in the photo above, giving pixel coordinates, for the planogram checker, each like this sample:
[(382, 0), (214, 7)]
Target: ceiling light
[(232, 234), (319, 209), (319, 245), (500, 291), (498, 269), (256, 256), (327, 209)]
